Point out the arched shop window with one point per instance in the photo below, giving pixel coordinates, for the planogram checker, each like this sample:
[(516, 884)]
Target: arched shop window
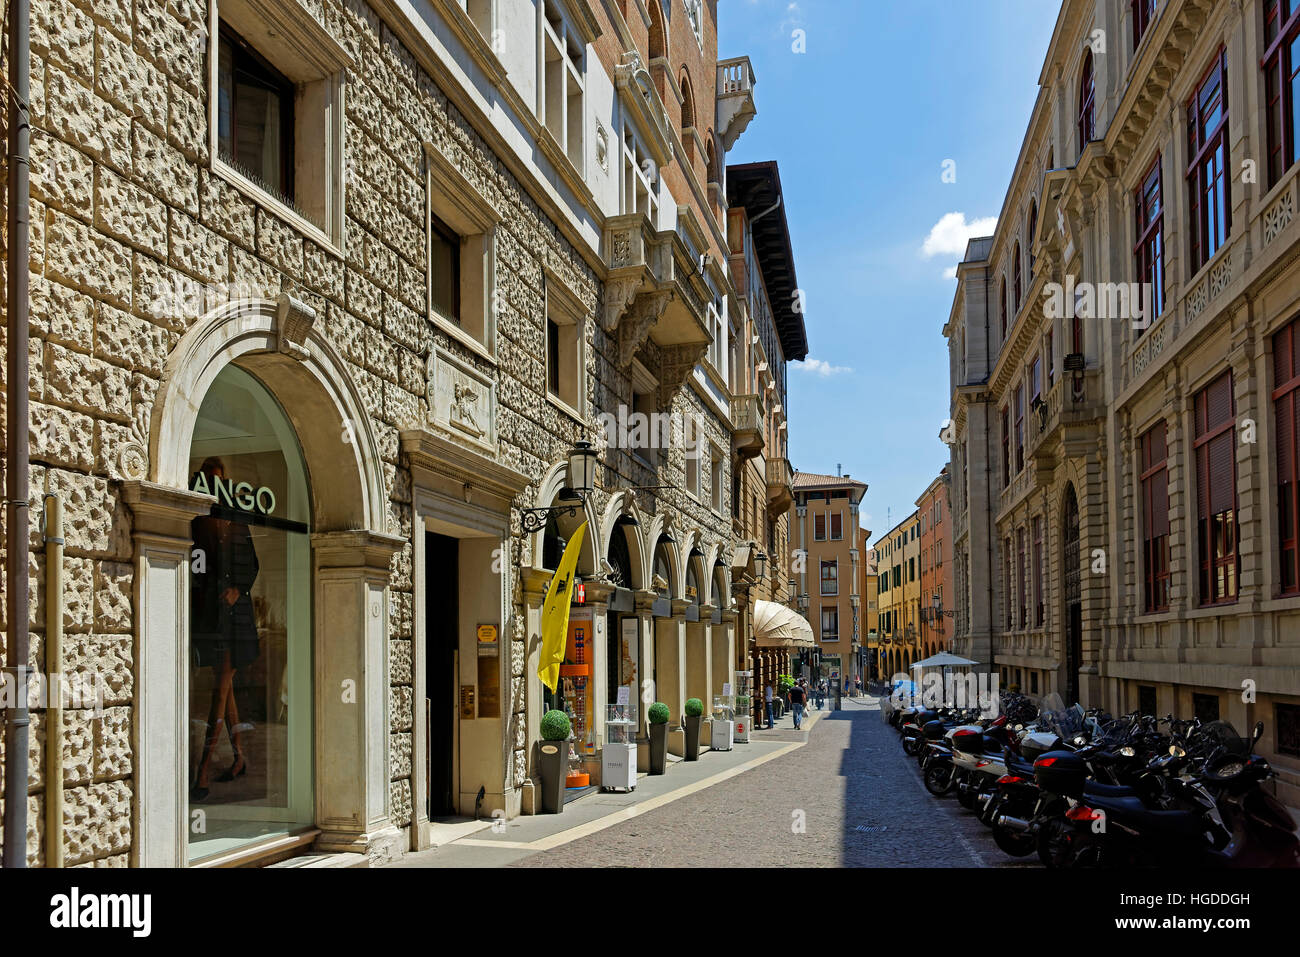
[(250, 645)]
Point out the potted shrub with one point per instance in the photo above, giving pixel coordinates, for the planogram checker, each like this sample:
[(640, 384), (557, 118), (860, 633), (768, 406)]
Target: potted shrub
[(694, 711), (658, 717), (553, 759)]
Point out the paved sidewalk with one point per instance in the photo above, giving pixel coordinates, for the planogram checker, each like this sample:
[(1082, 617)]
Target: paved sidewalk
[(524, 836)]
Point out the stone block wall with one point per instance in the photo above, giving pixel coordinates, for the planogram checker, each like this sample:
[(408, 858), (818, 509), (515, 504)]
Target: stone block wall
[(134, 238)]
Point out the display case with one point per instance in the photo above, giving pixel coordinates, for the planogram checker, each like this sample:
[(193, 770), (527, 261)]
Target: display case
[(744, 687), (723, 734), (618, 760)]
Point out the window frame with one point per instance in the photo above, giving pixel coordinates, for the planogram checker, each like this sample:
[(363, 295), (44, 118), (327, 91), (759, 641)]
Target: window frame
[(1086, 117), (1285, 395), (1210, 566), (1144, 14), (1153, 476), (1148, 264), (832, 580), (1280, 139), (832, 634), (1201, 148), (315, 62)]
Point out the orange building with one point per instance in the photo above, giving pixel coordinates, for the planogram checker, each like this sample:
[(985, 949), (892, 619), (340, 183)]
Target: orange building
[(938, 599)]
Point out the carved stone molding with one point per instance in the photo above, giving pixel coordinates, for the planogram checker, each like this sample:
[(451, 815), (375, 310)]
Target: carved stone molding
[(619, 295), (293, 320), (678, 363), (635, 327)]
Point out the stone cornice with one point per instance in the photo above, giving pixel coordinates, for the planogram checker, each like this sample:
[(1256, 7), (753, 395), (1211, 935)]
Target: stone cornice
[(431, 453)]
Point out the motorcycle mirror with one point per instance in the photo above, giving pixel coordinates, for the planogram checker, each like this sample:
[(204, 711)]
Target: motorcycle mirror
[(1259, 730)]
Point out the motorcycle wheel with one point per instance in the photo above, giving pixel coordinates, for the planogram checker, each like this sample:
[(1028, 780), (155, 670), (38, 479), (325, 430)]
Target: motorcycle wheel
[(938, 779), (1055, 845), (1015, 843), (909, 746)]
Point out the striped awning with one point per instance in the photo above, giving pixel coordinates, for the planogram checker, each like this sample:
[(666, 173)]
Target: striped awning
[(777, 626)]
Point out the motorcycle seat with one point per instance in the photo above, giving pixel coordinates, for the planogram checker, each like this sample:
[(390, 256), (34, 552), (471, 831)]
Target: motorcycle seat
[(1108, 790)]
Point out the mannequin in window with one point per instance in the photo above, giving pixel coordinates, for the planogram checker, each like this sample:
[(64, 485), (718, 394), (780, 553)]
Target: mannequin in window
[(223, 626)]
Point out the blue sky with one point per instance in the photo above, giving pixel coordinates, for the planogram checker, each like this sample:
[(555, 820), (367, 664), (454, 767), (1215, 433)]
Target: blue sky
[(861, 125)]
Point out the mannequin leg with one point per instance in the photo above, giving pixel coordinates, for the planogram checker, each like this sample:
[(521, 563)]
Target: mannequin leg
[(216, 715)]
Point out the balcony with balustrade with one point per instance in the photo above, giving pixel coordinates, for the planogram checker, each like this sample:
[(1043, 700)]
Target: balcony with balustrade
[(747, 439), (736, 106), (780, 485)]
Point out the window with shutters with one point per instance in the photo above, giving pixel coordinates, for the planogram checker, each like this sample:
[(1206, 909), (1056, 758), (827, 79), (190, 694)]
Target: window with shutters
[(837, 526), (1286, 411), (1207, 179), (1154, 479), (1021, 592), (1216, 491), (1051, 359), (1015, 281), (819, 527), (1040, 609)]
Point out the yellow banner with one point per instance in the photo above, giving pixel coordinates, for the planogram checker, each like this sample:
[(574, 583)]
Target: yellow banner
[(555, 612)]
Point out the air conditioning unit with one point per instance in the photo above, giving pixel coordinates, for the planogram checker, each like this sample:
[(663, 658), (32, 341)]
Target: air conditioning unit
[(1075, 362)]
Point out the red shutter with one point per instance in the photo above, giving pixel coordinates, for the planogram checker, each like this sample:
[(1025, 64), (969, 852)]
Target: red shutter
[(1223, 490)]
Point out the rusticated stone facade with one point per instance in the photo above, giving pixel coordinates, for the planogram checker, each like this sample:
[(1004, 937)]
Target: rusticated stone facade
[(137, 245)]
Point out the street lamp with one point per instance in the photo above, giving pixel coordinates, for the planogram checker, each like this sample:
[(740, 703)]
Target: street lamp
[(581, 473), (760, 565)]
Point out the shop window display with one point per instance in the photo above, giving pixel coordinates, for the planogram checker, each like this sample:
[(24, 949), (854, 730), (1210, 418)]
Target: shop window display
[(250, 703)]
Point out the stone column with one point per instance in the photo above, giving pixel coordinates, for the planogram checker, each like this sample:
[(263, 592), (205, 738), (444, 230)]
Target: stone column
[(353, 711), (645, 600), (161, 531), (533, 582)]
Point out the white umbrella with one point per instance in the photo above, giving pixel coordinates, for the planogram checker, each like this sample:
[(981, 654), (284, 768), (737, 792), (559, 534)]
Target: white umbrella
[(776, 626), (941, 660)]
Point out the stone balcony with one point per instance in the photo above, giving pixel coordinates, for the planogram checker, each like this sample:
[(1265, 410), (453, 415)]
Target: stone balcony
[(747, 438), (1068, 413), (780, 485), (736, 106), (654, 292)]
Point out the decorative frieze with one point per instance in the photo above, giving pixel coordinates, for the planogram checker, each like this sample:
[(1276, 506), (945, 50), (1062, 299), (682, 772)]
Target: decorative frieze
[(1279, 215), (462, 401)]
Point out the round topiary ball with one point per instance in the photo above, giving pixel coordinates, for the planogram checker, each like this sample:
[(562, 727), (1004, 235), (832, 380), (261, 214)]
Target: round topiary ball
[(694, 707), (555, 726), (658, 713)]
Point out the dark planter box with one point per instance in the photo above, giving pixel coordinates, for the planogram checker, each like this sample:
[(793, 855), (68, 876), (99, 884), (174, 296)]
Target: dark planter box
[(658, 748), (692, 726), (553, 761)]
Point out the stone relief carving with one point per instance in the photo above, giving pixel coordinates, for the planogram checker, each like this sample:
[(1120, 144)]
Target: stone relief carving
[(133, 457), (678, 363), (619, 294), (602, 148), (293, 320), (461, 401)]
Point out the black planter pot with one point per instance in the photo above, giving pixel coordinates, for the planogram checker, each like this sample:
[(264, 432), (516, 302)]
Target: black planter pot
[(553, 761), (658, 748), (692, 726)]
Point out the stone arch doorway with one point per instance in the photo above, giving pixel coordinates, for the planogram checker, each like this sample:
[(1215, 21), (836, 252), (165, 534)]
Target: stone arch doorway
[(1073, 593), (293, 400)]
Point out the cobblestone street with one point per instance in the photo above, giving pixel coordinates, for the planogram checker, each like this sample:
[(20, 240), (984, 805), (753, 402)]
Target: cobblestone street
[(849, 798)]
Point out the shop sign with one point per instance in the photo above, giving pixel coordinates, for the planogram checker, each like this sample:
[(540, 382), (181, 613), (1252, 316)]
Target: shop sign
[(488, 646), (235, 494), (579, 594)]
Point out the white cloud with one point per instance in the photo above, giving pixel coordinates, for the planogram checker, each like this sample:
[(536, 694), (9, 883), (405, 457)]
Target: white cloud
[(950, 272), (951, 234), (821, 368)]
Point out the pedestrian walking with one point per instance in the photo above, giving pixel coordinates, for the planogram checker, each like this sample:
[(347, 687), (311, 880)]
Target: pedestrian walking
[(821, 693), (797, 698), (769, 697)]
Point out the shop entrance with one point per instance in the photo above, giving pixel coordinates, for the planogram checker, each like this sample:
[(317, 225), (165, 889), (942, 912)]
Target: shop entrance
[(442, 619)]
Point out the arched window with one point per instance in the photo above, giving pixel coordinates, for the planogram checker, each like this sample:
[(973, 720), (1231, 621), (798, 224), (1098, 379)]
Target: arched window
[(658, 37), (711, 156), (1033, 229), (1087, 94), (688, 102), (1015, 283)]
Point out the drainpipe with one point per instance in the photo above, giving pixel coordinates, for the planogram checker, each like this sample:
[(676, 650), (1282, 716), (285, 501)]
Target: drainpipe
[(16, 433), (53, 684), (988, 475)]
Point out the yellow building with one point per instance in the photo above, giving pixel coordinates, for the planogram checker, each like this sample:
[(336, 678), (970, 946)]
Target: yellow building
[(826, 560), (897, 555)]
